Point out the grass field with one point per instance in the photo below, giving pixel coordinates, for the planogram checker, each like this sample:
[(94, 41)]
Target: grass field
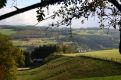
[(76, 67), (24, 44), (33, 42), (7, 31), (109, 55), (102, 78)]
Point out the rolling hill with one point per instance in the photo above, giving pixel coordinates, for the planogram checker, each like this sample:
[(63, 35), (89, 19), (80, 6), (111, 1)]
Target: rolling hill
[(84, 39), (74, 67)]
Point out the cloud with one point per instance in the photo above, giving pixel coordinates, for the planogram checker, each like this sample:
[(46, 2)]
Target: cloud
[(29, 18), (26, 18)]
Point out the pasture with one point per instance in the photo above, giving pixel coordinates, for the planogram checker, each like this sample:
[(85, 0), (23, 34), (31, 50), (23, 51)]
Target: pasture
[(30, 44), (7, 31), (33, 42), (109, 55), (76, 67)]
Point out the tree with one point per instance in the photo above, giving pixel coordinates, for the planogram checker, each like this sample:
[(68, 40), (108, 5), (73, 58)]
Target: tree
[(80, 8), (10, 56), (44, 51), (66, 48), (27, 60)]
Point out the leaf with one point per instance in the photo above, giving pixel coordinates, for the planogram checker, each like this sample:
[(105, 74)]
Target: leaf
[(40, 15), (82, 21), (2, 3), (114, 26)]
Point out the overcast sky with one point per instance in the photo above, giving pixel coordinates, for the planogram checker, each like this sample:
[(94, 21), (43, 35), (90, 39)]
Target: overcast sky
[(29, 17)]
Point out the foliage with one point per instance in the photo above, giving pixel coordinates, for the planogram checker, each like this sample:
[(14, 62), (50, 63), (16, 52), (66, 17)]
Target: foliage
[(40, 15), (10, 57), (106, 10), (2, 3), (42, 52), (79, 9), (27, 59), (66, 48)]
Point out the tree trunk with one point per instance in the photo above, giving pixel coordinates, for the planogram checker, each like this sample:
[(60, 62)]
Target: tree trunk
[(120, 43)]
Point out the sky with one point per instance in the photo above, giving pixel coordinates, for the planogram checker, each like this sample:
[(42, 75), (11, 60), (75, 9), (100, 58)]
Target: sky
[(29, 17)]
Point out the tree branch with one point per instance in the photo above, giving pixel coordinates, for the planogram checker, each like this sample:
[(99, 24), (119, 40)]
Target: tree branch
[(45, 3), (116, 4), (42, 4)]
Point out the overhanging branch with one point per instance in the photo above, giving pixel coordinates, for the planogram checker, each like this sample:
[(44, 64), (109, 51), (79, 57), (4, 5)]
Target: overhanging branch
[(42, 4), (10, 14), (116, 4)]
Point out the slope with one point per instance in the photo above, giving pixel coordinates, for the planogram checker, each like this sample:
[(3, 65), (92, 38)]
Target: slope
[(65, 67)]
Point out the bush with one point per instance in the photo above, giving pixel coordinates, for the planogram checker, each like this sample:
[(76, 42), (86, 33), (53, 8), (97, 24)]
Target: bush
[(66, 48)]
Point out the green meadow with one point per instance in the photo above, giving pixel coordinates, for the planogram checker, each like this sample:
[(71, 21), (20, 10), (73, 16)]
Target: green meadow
[(109, 55), (7, 31), (104, 65)]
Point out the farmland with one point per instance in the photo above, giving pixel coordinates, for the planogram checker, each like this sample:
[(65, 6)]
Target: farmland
[(29, 44), (109, 55), (90, 39), (7, 31), (75, 67)]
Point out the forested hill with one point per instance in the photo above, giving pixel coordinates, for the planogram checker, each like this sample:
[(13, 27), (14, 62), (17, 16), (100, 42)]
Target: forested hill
[(84, 39)]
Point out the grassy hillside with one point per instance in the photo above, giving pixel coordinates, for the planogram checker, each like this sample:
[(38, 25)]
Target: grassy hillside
[(110, 55), (67, 67), (102, 78)]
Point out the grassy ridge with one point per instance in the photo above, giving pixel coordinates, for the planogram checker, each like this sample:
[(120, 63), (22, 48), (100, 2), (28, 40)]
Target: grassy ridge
[(110, 55), (71, 67)]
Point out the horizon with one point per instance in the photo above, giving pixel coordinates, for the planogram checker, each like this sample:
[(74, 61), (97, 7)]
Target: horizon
[(58, 27)]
